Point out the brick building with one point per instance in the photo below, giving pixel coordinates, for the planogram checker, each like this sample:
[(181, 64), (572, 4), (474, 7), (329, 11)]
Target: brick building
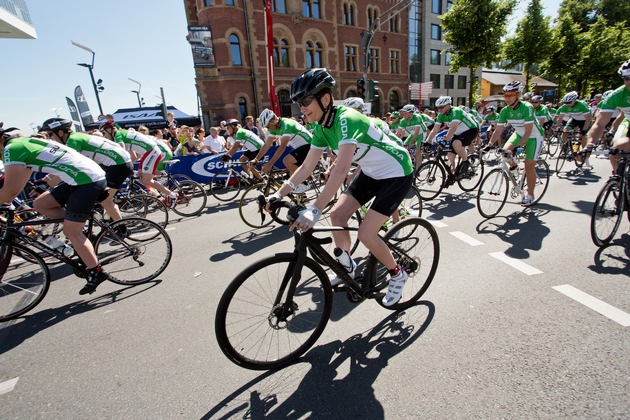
[(230, 51)]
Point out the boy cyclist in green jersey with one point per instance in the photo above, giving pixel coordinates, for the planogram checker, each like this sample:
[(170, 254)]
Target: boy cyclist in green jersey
[(579, 117), (386, 174)]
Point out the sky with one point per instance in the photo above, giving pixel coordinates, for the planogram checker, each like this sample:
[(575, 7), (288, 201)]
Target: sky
[(139, 39)]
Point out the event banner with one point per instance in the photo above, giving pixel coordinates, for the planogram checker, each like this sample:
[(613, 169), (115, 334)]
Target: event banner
[(82, 105), (74, 114), (200, 40)]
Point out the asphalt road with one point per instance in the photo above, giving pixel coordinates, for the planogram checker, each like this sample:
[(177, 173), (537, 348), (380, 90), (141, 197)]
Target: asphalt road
[(526, 318)]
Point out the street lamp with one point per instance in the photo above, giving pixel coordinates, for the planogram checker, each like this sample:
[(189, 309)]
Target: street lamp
[(98, 87), (137, 92)]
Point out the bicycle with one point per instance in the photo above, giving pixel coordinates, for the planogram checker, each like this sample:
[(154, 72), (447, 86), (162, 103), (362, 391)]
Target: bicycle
[(133, 251), (276, 309), (569, 151), (431, 177), (611, 201), (494, 188), (226, 185)]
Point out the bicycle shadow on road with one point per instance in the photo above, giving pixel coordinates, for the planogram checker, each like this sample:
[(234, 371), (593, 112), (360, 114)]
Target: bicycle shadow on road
[(320, 392), (578, 176), (15, 332), (523, 230), (252, 241), (449, 205), (613, 258)]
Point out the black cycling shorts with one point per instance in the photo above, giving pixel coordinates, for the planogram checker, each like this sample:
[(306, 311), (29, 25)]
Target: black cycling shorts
[(467, 136), (572, 123), (116, 175), (78, 199), (300, 153), (388, 193), (250, 154)]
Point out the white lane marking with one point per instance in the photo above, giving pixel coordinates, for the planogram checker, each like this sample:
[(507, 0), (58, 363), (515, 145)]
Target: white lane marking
[(435, 223), (609, 311), (170, 229), (465, 238), (8, 386), (518, 264)]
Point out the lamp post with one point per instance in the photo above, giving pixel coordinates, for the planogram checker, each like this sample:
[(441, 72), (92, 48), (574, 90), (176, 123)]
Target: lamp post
[(137, 92), (96, 85)]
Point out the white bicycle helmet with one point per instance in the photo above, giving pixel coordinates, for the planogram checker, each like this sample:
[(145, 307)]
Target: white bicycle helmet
[(528, 96), (266, 116), (354, 103), (537, 98), (443, 100), (408, 108), (569, 97), (513, 87), (489, 108), (607, 93), (624, 70)]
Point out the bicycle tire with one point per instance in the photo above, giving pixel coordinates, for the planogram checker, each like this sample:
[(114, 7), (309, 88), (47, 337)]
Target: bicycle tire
[(542, 180), (415, 246), (24, 282), (145, 206), (474, 175), (138, 256), (249, 208), (411, 206), (247, 330), (225, 186), (181, 177), (430, 178), (191, 200), (563, 155), (492, 194), (552, 145), (354, 222), (607, 212)]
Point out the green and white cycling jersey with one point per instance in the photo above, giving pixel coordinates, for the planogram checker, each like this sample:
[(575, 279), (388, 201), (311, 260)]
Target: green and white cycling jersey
[(379, 156), (298, 135), (388, 132), (456, 114), (577, 112), (477, 117), (99, 149), (519, 117), (53, 158), (135, 141), (410, 125), (619, 99), (491, 118), (542, 114), (311, 127), (248, 139)]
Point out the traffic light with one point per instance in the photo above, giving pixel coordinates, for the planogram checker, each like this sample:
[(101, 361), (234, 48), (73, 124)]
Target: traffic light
[(372, 89), (361, 88)]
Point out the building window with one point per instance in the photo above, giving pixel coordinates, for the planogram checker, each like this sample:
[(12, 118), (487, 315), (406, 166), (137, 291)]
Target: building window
[(447, 58), (372, 15), (435, 78), (235, 49), (461, 101), (436, 32), (375, 60), (394, 101), (310, 8), (314, 54), (351, 58), (285, 103), (281, 53), (279, 6), (461, 82), (207, 3), (242, 107), (449, 5), (394, 61), (436, 6), (349, 14), (435, 57), (449, 81), (229, 2)]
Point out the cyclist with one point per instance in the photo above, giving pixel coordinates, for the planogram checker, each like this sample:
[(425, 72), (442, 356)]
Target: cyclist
[(386, 173), (412, 130), (292, 134), (114, 160), (462, 130), (165, 151), (357, 104), (542, 112), (520, 115), (83, 181), (254, 147), (490, 120), (140, 146), (619, 99), (579, 117), (394, 121)]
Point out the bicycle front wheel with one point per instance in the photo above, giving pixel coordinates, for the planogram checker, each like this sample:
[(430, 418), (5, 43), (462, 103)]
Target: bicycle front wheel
[(191, 200), (430, 178), (472, 178), (552, 145), (411, 206), (416, 248), (133, 250), (542, 180), (24, 282), (492, 193), (563, 155), (249, 209), (607, 212), (225, 186), (145, 206), (258, 327)]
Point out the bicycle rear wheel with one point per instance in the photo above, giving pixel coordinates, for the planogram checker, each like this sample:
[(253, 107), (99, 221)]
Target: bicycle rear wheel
[(411, 206), (607, 212), (251, 327), (563, 155), (24, 280), (145, 206), (472, 178), (542, 180), (492, 193), (225, 186), (430, 178), (191, 200), (416, 248), (133, 250), (552, 145), (249, 208)]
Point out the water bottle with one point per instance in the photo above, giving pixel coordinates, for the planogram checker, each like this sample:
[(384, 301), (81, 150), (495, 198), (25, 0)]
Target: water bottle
[(576, 147), (343, 258), (67, 250), (53, 242)]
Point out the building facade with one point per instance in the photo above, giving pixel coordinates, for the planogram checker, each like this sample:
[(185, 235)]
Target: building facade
[(15, 20)]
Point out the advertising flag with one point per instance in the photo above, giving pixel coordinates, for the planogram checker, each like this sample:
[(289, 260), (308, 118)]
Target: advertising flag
[(74, 114), (83, 107)]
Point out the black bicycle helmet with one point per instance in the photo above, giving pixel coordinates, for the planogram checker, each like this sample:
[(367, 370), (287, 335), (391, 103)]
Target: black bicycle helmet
[(4, 132), (311, 82), (54, 124)]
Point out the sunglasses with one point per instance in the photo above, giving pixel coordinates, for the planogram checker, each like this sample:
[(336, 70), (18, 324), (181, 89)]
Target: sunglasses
[(306, 101), (535, 102), (509, 95), (626, 78), (440, 107)]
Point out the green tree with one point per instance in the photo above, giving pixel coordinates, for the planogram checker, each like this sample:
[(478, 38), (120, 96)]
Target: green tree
[(581, 12), (474, 29), (531, 42)]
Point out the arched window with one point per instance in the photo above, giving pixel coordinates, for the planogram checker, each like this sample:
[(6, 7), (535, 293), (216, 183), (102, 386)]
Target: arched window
[(242, 108), (394, 101), (311, 8), (235, 49), (281, 53), (394, 24), (285, 103), (314, 54), (279, 6), (348, 14), (372, 15)]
